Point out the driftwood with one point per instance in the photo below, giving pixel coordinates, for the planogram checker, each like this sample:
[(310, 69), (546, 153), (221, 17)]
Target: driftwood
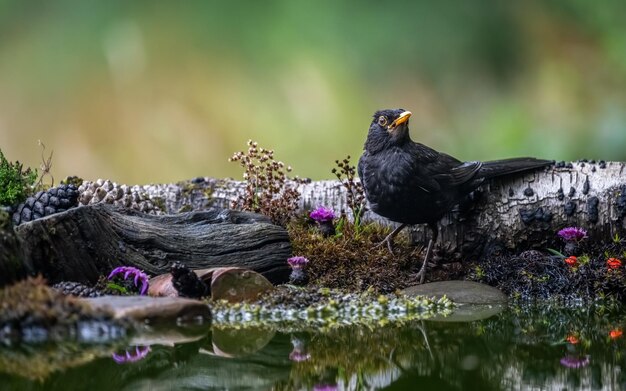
[(84, 243), (521, 210), (11, 265)]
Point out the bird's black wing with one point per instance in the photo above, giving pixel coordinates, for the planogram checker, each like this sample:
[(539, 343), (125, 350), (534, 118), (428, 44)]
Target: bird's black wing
[(446, 170)]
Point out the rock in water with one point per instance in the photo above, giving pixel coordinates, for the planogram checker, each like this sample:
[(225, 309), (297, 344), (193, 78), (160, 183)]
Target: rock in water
[(144, 309), (460, 292)]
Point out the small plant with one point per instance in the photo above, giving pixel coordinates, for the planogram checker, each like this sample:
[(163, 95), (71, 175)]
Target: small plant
[(572, 261), (298, 275), (46, 166), (479, 273), (324, 219), (613, 263), (15, 182), (572, 339), (356, 201), (268, 189), (572, 237)]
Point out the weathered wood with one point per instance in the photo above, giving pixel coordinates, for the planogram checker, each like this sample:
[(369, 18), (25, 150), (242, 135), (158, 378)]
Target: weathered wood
[(11, 265), (89, 241), (503, 213)]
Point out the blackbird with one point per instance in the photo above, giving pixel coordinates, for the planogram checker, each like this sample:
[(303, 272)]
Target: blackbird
[(410, 183)]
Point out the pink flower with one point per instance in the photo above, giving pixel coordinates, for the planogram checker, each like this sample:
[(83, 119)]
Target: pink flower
[(572, 234), (139, 354), (132, 271), (575, 362), (322, 214), (297, 262)]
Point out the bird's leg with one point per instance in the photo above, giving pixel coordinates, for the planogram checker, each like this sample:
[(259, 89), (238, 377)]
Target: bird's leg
[(389, 238), (429, 252)]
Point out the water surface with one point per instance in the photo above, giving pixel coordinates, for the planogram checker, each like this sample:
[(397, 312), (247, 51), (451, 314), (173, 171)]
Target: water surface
[(543, 348)]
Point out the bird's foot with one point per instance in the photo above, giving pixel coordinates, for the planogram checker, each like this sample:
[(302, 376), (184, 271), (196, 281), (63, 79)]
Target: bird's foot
[(387, 241), (389, 238), (418, 277)]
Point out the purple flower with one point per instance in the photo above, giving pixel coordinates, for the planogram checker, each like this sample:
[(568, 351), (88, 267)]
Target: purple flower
[(297, 262), (299, 356), (325, 387), (322, 214), (575, 362), (132, 271), (139, 354), (572, 234)]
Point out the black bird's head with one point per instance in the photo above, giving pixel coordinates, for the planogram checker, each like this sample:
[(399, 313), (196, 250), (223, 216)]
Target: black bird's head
[(389, 127)]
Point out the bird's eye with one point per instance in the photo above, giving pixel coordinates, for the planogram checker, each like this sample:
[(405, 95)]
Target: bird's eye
[(382, 120)]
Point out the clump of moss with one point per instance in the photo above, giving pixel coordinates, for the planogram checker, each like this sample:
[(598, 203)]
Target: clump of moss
[(72, 180), (15, 182), (31, 311), (354, 261)]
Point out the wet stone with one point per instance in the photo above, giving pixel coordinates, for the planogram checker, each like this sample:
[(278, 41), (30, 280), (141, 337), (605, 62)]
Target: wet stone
[(460, 292), (151, 309)]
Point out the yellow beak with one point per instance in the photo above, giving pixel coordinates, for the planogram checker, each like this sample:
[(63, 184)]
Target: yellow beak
[(400, 120)]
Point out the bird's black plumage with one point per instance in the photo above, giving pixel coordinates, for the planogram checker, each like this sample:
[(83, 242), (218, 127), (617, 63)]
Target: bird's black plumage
[(410, 183)]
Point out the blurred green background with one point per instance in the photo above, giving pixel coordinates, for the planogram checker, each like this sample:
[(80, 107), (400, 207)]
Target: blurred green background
[(149, 91)]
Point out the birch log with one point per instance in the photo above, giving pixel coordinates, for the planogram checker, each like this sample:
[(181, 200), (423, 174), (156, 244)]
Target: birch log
[(524, 210)]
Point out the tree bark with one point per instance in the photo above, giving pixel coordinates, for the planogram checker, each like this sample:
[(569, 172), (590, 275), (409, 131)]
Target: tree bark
[(84, 243), (519, 211)]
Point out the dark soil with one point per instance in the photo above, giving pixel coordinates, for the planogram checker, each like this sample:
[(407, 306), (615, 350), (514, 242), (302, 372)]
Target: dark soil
[(534, 274)]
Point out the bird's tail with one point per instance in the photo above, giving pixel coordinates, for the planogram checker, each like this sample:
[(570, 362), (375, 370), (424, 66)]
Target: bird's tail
[(511, 166)]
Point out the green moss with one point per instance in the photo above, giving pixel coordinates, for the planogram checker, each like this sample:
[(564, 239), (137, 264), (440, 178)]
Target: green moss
[(289, 309), (355, 261), (159, 202), (15, 182), (32, 303), (72, 180), (5, 220)]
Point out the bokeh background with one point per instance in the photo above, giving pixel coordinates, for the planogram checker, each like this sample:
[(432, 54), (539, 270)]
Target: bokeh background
[(148, 91)]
